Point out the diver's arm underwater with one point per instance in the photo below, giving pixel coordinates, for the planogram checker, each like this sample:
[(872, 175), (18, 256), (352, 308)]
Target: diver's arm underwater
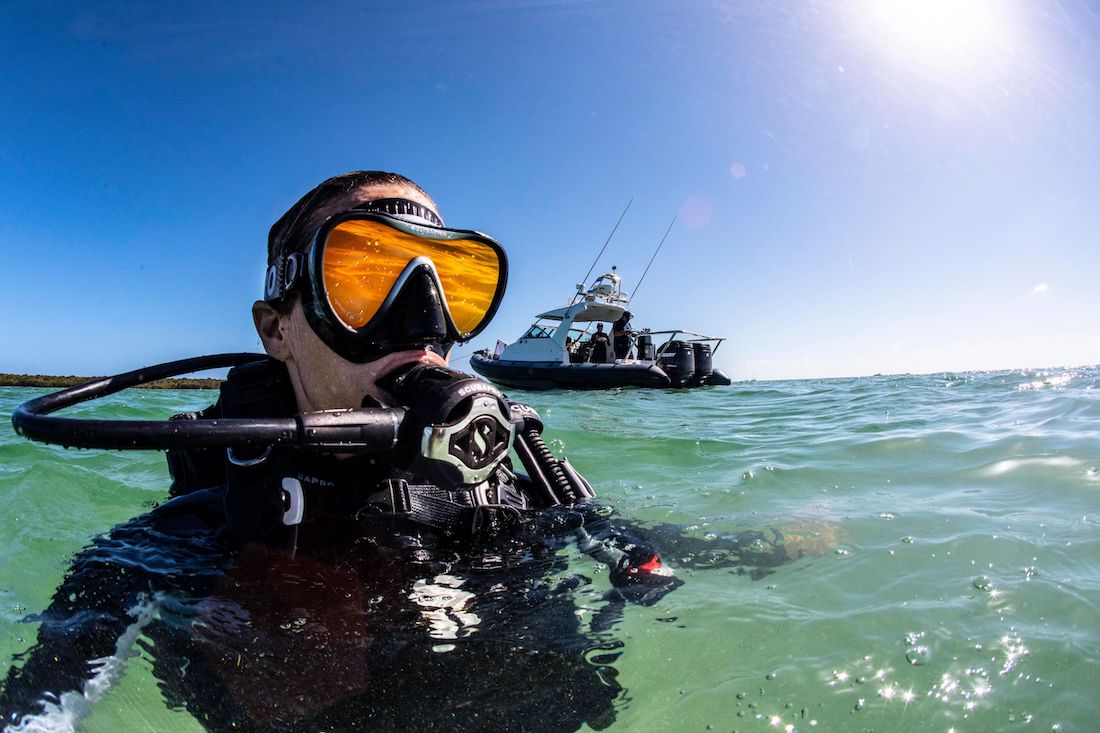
[(88, 632)]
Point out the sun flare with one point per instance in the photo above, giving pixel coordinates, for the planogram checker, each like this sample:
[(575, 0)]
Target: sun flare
[(937, 32)]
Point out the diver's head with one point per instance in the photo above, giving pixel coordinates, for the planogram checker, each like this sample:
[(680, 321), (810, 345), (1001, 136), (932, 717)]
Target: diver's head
[(363, 279)]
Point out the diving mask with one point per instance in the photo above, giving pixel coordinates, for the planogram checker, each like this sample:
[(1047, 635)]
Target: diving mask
[(374, 283)]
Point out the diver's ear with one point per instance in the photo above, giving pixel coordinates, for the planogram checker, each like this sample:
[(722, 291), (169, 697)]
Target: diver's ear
[(270, 326)]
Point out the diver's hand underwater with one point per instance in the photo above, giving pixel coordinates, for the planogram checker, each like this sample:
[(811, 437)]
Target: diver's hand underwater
[(643, 579)]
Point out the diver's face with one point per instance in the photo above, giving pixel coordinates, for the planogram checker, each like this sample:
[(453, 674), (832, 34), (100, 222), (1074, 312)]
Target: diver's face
[(322, 379)]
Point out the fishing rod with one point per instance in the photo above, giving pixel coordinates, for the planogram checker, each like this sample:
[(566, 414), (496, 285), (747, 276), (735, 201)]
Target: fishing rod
[(609, 236), (639, 285)]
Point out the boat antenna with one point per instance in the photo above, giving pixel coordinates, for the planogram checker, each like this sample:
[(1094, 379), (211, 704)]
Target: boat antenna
[(609, 236), (639, 285)]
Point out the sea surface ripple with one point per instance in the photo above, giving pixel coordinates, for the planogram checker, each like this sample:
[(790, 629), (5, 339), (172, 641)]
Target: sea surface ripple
[(951, 583)]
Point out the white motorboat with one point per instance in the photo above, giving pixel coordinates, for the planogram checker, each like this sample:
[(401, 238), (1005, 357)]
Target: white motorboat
[(558, 350)]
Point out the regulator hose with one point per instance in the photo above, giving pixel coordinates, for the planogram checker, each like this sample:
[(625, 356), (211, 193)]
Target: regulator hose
[(367, 430), (550, 466), (560, 483)]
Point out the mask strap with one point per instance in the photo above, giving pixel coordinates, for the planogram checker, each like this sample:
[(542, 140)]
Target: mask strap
[(403, 208)]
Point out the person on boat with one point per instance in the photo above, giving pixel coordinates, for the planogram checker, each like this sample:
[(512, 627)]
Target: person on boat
[(620, 335), (597, 344), (279, 589)]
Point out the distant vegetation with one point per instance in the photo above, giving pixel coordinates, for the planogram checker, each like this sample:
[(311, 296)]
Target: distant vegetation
[(45, 380)]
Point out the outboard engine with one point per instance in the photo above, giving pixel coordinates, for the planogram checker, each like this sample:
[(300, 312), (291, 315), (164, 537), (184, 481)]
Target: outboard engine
[(678, 361), (703, 363)]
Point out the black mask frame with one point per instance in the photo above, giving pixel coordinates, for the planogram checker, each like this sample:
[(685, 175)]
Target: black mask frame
[(414, 315)]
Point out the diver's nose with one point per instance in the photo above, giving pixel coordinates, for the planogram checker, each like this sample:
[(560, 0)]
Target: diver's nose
[(417, 314)]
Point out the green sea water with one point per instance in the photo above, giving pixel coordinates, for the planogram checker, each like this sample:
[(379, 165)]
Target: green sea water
[(956, 587)]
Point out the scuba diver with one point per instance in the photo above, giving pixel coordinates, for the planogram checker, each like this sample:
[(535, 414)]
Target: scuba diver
[(364, 555)]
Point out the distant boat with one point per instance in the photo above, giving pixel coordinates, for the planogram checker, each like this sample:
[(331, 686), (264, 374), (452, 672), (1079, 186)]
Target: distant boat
[(556, 353)]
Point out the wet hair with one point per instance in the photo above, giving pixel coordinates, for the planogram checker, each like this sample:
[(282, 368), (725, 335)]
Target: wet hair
[(294, 229)]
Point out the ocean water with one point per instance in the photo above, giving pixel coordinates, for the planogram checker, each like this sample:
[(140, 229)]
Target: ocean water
[(951, 581)]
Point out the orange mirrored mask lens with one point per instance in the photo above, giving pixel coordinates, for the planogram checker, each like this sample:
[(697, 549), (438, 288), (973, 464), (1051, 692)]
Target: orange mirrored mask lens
[(363, 260)]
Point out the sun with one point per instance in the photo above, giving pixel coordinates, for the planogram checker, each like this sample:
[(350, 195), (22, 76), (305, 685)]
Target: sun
[(939, 33)]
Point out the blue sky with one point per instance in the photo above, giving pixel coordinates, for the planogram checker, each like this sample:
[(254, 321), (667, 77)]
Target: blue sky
[(860, 186)]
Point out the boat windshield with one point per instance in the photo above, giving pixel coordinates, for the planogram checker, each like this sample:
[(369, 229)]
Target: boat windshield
[(540, 331), (577, 334)]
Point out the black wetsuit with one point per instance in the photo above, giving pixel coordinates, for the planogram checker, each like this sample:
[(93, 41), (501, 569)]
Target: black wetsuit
[(355, 619)]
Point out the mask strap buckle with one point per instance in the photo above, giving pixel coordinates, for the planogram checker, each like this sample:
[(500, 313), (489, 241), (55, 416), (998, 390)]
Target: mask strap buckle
[(283, 274)]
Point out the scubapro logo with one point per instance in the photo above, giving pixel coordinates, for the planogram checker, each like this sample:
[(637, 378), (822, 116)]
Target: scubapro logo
[(480, 443)]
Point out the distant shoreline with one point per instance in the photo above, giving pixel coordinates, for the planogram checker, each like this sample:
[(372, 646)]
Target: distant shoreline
[(46, 380)]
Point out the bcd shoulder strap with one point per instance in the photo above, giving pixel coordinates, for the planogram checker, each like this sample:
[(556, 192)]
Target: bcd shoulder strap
[(257, 389)]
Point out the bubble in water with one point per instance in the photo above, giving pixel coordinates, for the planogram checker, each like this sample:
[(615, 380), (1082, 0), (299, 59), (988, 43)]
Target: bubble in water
[(913, 637), (1030, 572), (842, 551), (918, 655), (887, 516), (757, 546), (908, 540), (984, 584)]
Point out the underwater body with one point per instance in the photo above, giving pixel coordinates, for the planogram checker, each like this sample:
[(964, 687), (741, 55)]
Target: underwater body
[(961, 589)]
